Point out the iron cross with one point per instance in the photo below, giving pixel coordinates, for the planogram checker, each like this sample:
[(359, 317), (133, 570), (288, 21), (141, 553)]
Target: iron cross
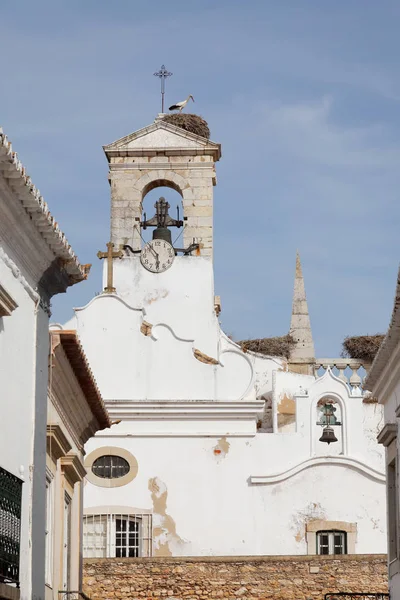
[(163, 74), (110, 255)]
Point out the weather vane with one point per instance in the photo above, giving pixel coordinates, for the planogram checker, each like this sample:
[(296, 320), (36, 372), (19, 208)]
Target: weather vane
[(163, 74)]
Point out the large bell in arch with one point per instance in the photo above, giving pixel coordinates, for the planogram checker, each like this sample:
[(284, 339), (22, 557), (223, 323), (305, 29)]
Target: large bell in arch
[(161, 221), (328, 435), (162, 233)]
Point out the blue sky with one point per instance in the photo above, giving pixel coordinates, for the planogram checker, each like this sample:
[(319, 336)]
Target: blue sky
[(304, 98)]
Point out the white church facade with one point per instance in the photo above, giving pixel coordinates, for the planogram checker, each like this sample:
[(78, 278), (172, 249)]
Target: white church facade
[(214, 450)]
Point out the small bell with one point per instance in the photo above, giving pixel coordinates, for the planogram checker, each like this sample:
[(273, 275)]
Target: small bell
[(328, 435)]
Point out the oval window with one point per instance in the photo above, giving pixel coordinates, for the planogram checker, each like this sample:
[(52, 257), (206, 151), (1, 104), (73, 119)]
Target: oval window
[(110, 467)]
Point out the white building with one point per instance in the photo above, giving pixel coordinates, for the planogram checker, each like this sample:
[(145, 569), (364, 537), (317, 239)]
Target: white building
[(217, 451), (36, 262), (384, 383), (75, 412)]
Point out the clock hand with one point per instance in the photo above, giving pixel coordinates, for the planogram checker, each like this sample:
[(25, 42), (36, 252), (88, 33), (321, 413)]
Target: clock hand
[(153, 251), (156, 256)]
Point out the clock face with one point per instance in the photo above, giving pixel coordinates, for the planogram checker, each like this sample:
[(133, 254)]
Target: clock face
[(157, 256)]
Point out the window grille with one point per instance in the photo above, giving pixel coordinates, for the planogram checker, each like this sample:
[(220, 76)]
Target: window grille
[(10, 526), (117, 535), (127, 542), (331, 542), (67, 541), (357, 596), (49, 529), (72, 595), (110, 467), (392, 501)]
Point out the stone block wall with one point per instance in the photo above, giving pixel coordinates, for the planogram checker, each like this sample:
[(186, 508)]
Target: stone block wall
[(246, 578), (132, 178)]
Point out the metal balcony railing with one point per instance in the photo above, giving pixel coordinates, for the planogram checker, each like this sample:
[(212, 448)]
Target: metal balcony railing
[(356, 596), (10, 526), (72, 595)]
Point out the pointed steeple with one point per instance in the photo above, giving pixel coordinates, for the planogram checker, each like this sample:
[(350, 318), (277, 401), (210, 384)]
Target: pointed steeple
[(300, 327)]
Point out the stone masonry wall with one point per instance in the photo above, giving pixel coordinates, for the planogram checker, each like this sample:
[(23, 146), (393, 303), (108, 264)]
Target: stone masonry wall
[(277, 577), (131, 179)]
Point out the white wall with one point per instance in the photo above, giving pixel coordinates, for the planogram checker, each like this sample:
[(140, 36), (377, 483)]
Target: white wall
[(387, 388), (218, 511), (18, 354), (257, 493), (179, 305)]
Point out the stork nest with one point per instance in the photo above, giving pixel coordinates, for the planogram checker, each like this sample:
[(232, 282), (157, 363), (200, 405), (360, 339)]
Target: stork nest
[(274, 346), (192, 123), (363, 347)]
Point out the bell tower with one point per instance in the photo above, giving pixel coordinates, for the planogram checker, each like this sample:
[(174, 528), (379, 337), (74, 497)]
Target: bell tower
[(170, 153)]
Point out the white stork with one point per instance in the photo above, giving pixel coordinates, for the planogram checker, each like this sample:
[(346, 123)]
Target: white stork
[(180, 105)]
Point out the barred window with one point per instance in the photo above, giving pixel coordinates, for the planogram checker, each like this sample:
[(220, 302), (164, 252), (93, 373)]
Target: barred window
[(331, 542), (127, 542), (392, 509), (49, 528), (117, 535), (110, 467), (10, 526)]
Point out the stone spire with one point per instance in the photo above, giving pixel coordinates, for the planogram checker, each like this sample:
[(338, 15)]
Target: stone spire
[(300, 327)]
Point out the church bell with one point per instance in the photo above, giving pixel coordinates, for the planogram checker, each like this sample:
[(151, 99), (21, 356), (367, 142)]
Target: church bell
[(162, 233), (328, 435)]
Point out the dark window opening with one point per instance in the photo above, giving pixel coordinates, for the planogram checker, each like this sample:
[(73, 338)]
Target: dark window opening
[(126, 538), (10, 526), (331, 542), (110, 467)]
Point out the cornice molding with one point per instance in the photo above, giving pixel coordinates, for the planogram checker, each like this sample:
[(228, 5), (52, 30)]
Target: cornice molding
[(84, 377), (384, 384), (33, 294), (7, 303), (65, 395), (57, 442), (29, 197), (389, 433), (381, 366), (37, 298), (133, 410), (204, 146), (342, 461), (138, 166), (72, 467)]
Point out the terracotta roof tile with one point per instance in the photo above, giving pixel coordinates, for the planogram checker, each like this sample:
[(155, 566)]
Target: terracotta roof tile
[(80, 366)]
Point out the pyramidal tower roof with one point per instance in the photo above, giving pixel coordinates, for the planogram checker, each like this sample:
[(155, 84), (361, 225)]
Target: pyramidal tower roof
[(300, 326)]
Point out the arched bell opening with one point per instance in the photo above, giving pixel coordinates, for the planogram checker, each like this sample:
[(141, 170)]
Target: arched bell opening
[(173, 197), (328, 431)]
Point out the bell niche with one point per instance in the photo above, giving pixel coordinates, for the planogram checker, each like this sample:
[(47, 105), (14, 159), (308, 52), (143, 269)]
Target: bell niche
[(329, 437), (163, 155)]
